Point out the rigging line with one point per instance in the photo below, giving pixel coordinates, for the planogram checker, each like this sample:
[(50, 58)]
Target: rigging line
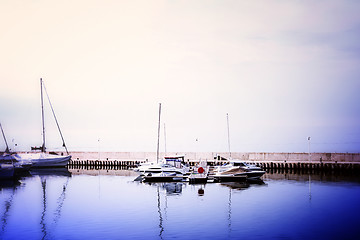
[(7, 150), (52, 109)]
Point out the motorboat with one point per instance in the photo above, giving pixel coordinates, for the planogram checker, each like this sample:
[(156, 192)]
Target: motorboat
[(238, 169), (229, 173), (235, 168), (164, 177)]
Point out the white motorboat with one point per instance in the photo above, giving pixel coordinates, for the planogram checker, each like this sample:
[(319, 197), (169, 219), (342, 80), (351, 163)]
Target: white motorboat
[(164, 177), (238, 169), (235, 168)]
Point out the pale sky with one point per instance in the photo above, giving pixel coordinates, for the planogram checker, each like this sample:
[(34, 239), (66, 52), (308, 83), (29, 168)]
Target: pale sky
[(283, 70)]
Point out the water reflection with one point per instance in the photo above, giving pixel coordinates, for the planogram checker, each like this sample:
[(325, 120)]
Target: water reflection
[(44, 174), (10, 188), (177, 209), (160, 214), (60, 202), (7, 204), (171, 188), (51, 172), (9, 183), (42, 222), (244, 185), (281, 174)]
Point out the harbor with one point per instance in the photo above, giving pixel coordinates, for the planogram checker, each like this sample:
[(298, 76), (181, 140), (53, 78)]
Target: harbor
[(108, 204)]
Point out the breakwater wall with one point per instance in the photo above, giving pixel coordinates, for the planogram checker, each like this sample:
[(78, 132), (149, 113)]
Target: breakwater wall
[(268, 161), (214, 156)]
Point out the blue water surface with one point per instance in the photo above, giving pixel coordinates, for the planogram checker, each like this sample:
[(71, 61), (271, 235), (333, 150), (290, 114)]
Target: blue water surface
[(110, 205)]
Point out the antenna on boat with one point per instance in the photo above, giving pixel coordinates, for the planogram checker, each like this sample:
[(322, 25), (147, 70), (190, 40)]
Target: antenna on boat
[(42, 115), (7, 150), (158, 140), (228, 132)]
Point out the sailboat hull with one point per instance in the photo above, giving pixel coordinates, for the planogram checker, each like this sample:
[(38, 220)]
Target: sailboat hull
[(42, 160)]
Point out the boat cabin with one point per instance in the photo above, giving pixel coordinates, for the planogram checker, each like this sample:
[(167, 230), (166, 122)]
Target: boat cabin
[(175, 161)]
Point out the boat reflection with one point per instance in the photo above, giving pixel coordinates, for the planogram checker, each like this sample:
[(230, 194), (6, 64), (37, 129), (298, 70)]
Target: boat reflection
[(243, 185), (12, 186), (48, 177), (50, 172), (171, 188), (9, 183)]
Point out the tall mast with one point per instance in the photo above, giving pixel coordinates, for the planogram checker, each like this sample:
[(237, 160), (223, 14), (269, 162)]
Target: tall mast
[(165, 137), (42, 115), (227, 119), (158, 140), (7, 150)]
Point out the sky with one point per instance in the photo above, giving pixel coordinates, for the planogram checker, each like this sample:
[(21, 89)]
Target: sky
[(283, 71)]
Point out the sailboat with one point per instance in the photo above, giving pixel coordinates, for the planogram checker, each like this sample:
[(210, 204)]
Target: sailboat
[(170, 169), (43, 159), (10, 163)]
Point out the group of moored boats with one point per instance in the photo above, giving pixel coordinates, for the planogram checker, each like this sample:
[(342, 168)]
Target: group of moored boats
[(174, 169), (171, 169)]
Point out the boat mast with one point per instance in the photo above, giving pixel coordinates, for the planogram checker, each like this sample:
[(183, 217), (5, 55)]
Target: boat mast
[(165, 137), (42, 115), (158, 140), (7, 146), (57, 123), (227, 119)]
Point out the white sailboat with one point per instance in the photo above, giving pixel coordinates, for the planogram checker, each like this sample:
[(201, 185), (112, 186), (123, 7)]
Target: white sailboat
[(169, 169), (11, 162), (43, 159)]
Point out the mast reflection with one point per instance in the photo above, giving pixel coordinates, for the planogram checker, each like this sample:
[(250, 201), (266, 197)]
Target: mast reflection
[(8, 184)]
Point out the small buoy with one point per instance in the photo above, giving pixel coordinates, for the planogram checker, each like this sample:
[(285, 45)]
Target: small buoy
[(200, 170)]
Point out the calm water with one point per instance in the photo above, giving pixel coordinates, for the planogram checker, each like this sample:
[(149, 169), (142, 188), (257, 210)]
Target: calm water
[(92, 205)]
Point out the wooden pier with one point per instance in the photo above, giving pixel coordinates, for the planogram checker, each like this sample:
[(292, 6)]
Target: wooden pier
[(114, 164)]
